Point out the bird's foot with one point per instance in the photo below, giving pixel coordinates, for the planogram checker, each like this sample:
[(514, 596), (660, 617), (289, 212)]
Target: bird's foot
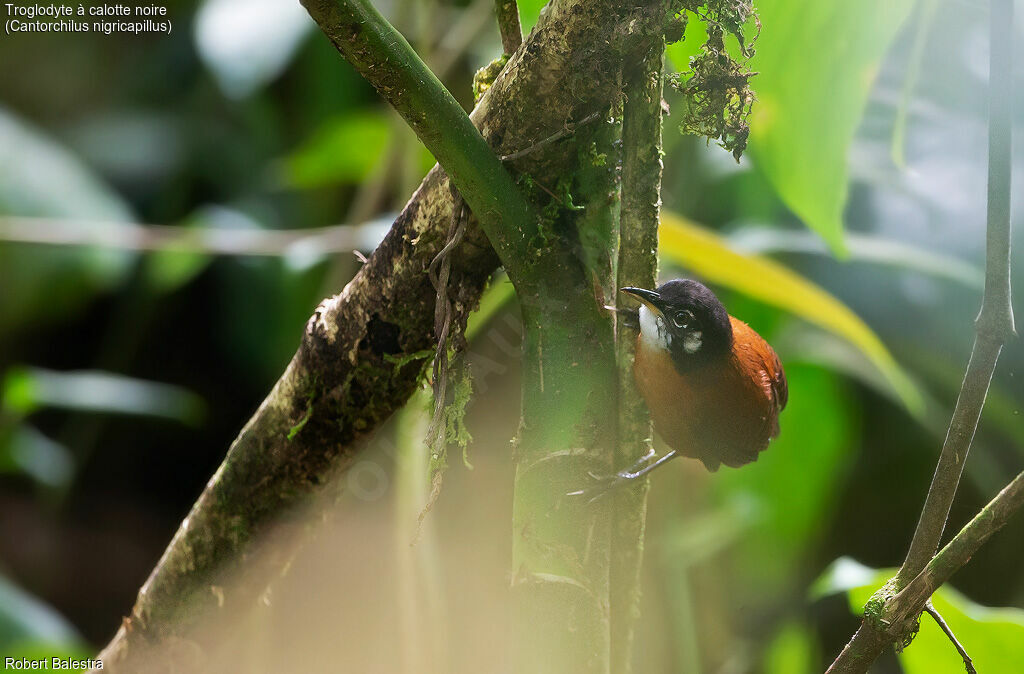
[(602, 484), (605, 483)]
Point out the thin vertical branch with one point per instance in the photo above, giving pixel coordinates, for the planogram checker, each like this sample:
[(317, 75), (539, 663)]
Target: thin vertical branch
[(637, 266), (937, 617), (994, 326), (508, 25), (995, 323)]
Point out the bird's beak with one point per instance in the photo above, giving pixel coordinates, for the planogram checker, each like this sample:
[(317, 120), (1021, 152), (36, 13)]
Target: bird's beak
[(649, 297)]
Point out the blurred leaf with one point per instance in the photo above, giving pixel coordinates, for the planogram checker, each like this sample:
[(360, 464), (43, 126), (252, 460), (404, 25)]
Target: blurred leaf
[(862, 248), (25, 390), (792, 651), (816, 62), (23, 618), (696, 539), (1002, 408), (845, 574), (19, 392), (344, 149), (266, 304), (246, 43), (799, 342), (529, 12), (40, 178), (500, 292), (26, 450), (994, 637), (168, 269), (924, 22), (709, 256), (788, 493)]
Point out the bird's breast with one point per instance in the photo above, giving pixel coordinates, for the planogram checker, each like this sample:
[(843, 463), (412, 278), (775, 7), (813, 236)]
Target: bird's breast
[(725, 411)]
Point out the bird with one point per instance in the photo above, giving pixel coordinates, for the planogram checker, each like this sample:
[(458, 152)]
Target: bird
[(714, 387)]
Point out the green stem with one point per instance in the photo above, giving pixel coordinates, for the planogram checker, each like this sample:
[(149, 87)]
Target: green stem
[(995, 323), (994, 327), (389, 63)]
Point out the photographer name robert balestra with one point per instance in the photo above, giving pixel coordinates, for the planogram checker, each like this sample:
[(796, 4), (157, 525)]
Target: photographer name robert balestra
[(54, 663)]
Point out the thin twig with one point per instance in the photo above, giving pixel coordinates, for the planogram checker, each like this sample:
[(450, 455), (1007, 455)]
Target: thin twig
[(193, 240), (508, 25), (994, 326), (567, 130), (968, 663)]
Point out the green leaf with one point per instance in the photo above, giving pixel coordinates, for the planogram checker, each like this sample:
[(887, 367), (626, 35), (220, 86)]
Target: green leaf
[(994, 637), (816, 62), (343, 150), (529, 12), (792, 651), (710, 257)]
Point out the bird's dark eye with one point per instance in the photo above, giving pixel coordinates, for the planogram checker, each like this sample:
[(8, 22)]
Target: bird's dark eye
[(682, 319)]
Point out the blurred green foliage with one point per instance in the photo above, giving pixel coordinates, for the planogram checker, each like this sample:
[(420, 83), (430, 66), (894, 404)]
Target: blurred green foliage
[(126, 375)]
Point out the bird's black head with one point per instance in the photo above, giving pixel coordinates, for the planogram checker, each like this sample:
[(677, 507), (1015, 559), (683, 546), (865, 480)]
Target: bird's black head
[(686, 319)]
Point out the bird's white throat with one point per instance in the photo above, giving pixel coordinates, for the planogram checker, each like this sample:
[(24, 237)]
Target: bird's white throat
[(655, 333), (653, 330)]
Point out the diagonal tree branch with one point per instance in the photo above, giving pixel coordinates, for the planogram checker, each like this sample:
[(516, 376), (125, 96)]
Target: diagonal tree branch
[(909, 602)]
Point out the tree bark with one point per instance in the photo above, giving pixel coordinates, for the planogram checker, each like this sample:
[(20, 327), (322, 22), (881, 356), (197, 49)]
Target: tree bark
[(576, 562)]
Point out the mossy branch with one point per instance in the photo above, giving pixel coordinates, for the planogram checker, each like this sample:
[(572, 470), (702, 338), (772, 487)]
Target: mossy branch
[(352, 347), (507, 12), (994, 327), (911, 599)]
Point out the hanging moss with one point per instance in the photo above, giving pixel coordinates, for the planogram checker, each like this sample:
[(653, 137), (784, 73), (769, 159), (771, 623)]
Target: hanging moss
[(717, 86)]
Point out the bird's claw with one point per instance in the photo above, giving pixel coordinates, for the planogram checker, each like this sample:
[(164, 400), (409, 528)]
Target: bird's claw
[(596, 491)]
